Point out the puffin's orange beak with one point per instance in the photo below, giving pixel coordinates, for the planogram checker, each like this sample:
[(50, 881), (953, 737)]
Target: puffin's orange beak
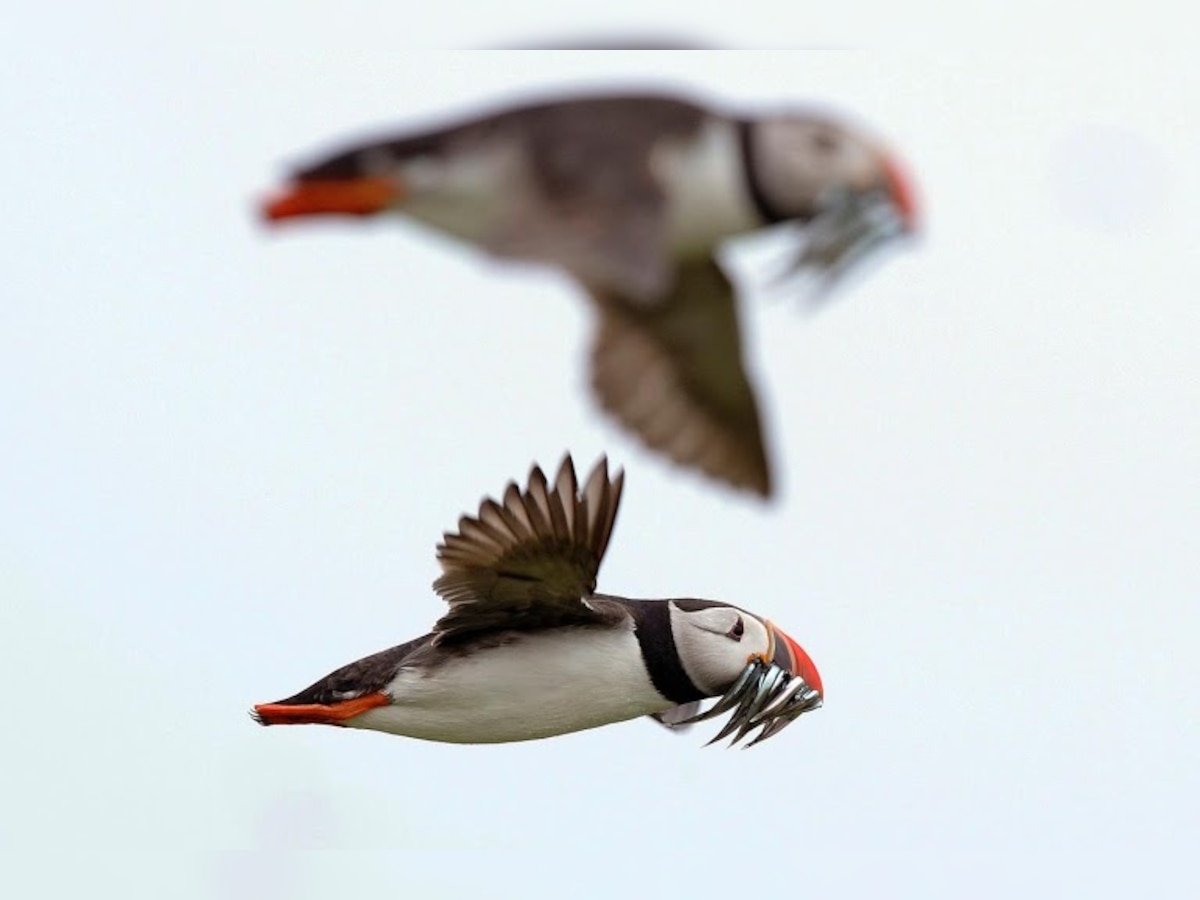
[(790, 657), (317, 713), (900, 188), (343, 197)]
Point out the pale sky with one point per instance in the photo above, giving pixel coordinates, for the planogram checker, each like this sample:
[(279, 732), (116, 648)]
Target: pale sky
[(226, 457)]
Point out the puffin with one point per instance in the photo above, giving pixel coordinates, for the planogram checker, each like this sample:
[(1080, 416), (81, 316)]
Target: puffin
[(633, 196), (528, 649)]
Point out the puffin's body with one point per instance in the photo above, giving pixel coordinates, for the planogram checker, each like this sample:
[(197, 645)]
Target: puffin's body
[(528, 650), (632, 195), (523, 686)]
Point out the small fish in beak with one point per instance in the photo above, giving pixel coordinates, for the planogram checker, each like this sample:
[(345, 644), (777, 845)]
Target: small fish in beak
[(773, 691), (851, 227)]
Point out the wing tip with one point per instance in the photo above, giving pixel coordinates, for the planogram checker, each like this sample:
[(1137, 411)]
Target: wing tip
[(583, 513), (533, 559)]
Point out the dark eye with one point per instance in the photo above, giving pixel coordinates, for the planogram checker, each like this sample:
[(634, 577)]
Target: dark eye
[(738, 629), (825, 142)]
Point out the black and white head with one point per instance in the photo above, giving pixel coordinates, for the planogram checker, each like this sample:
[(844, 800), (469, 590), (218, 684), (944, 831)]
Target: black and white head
[(849, 191), (756, 669), (800, 160)]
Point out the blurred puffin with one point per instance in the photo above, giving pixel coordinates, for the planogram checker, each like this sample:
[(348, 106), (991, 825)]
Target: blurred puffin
[(632, 196)]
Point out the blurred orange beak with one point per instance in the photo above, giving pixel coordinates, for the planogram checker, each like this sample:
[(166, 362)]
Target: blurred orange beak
[(900, 188), (348, 197)]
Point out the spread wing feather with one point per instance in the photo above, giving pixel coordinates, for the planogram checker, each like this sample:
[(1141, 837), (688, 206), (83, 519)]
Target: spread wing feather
[(530, 560)]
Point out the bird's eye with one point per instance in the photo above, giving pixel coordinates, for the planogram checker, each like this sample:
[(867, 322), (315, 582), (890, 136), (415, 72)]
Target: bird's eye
[(738, 629), (825, 142)]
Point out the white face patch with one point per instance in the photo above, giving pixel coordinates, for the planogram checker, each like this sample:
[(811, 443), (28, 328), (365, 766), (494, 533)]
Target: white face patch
[(710, 649), (799, 159)]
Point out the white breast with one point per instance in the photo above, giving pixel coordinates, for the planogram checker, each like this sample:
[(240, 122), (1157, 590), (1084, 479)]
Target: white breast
[(707, 197), (541, 684)]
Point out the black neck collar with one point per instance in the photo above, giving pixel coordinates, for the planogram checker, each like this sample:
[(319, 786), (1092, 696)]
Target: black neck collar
[(652, 620), (769, 214)]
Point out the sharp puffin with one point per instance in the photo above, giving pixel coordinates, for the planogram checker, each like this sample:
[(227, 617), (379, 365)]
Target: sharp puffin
[(632, 196), (529, 650)]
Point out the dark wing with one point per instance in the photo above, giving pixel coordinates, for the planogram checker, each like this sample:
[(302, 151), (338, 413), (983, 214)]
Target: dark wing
[(530, 561), (673, 374), (601, 210)]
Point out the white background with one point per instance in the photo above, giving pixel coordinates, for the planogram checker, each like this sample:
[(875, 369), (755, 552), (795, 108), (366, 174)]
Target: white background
[(226, 456)]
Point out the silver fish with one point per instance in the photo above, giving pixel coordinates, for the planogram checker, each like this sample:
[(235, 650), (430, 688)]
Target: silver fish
[(764, 696)]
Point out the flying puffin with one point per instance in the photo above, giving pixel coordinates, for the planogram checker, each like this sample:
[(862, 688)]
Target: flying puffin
[(632, 196), (529, 650)]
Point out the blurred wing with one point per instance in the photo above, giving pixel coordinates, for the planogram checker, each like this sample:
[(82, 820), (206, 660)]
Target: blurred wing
[(673, 374), (598, 209), (530, 561)]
